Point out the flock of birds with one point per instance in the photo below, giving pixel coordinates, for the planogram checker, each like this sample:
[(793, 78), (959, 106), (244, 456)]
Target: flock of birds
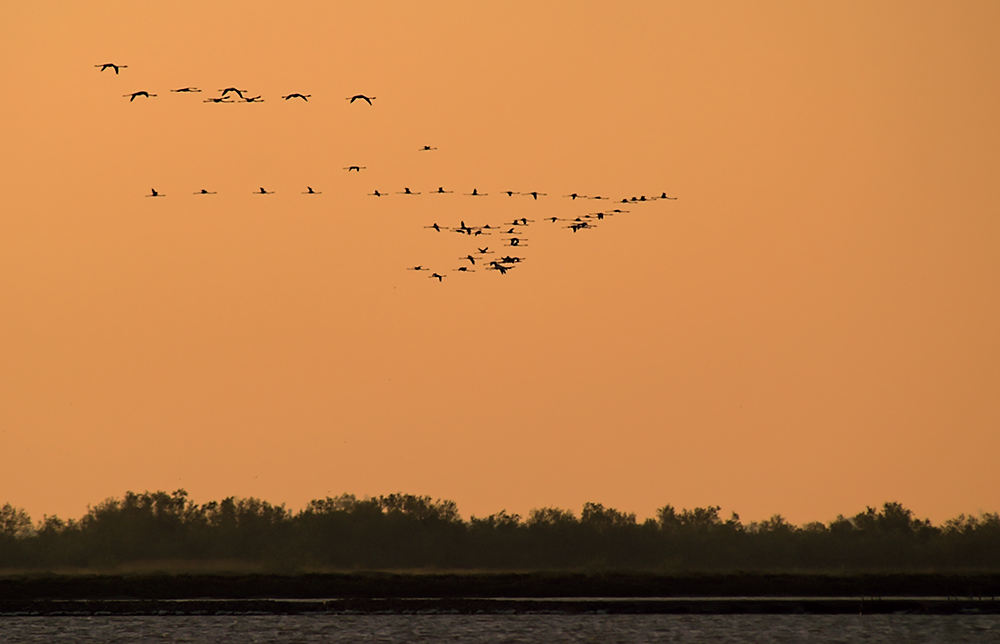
[(510, 235)]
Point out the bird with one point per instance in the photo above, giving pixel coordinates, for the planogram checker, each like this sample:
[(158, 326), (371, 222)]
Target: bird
[(463, 269), (535, 194), (239, 92), (470, 258), (497, 266), (664, 196), (484, 251), (134, 94), (418, 268), (186, 89), (304, 97), (510, 193), (221, 99), (476, 193), (362, 97), (434, 226), (356, 168), (439, 277), (252, 99), (204, 192), (112, 66), (406, 191), (309, 191), (375, 194), (575, 196), (441, 191), (426, 148), (154, 193), (263, 192), (597, 197)]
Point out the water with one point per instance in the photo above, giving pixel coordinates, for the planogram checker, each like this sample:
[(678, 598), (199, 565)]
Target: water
[(477, 629)]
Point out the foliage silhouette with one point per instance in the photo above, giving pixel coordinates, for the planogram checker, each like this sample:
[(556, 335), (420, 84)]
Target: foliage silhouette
[(408, 532)]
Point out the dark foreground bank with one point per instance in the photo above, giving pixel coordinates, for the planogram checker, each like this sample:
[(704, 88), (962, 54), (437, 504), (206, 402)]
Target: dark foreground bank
[(207, 594)]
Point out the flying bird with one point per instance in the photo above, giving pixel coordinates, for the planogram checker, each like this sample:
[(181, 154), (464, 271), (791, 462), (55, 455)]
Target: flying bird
[(309, 191), (426, 148), (304, 97), (221, 99), (535, 194), (204, 192), (375, 194), (476, 193), (418, 268), (439, 277), (664, 196), (362, 97), (356, 168), (263, 192), (406, 191), (253, 99), (575, 196), (510, 193), (186, 89), (441, 191), (112, 66), (154, 193), (239, 92), (134, 94)]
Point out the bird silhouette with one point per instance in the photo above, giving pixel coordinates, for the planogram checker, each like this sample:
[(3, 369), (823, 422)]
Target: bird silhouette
[(664, 196), (133, 95), (362, 97), (309, 191), (470, 258), (356, 168), (418, 268), (375, 194), (484, 251), (304, 97), (154, 193), (406, 191), (221, 99), (252, 99), (439, 277), (263, 192), (426, 148), (239, 92), (186, 89), (510, 193), (476, 193), (575, 196), (434, 226), (535, 194), (204, 192), (441, 191), (112, 66)]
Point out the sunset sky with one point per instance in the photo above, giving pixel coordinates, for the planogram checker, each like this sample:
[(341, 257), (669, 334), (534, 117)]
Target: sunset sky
[(810, 328)]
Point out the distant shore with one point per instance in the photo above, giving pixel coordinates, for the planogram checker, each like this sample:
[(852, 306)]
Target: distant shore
[(493, 593)]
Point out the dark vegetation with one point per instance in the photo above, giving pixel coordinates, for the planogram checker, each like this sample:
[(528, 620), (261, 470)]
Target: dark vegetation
[(411, 533)]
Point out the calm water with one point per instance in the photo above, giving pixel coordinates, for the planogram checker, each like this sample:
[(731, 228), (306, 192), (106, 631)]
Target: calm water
[(544, 629)]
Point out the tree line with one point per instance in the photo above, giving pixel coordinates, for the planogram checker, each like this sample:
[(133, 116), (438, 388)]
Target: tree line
[(402, 531)]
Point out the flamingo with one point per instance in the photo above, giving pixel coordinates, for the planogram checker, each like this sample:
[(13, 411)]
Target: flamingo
[(362, 97), (112, 66), (263, 192), (186, 89), (252, 99), (304, 97), (356, 168), (439, 277), (309, 191), (204, 192), (221, 99), (239, 92), (154, 193), (134, 94), (406, 191), (426, 148), (375, 194)]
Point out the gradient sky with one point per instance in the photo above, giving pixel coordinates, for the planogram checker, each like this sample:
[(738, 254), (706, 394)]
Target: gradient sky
[(812, 327)]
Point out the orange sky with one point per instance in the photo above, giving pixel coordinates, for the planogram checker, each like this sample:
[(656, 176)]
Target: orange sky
[(810, 328)]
